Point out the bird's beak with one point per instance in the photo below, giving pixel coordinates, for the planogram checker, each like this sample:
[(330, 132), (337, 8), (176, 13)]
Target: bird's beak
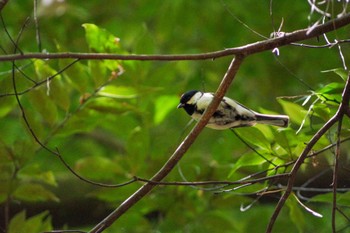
[(181, 105)]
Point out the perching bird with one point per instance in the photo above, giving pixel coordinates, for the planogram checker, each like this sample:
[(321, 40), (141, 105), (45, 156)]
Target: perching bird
[(229, 114)]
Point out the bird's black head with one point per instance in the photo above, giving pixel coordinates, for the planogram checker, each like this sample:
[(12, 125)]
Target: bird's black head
[(187, 103)]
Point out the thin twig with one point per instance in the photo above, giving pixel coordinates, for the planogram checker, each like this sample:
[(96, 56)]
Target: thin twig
[(199, 183), (38, 84), (37, 28), (16, 48), (252, 148), (295, 168), (56, 153), (180, 151), (343, 109), (241, 53), (335, 174)]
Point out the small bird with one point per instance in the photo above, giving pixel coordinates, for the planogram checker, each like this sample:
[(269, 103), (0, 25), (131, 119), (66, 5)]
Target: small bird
[(229, 114)]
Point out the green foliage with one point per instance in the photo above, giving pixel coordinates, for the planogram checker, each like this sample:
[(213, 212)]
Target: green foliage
[(163, 106), (37, 223), (113, 120), (297, 216)]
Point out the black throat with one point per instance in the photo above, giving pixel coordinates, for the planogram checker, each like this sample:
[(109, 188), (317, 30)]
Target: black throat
[(189, 108)]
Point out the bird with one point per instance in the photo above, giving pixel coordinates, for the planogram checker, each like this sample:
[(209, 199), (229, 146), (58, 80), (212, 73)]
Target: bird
[(229, 114)]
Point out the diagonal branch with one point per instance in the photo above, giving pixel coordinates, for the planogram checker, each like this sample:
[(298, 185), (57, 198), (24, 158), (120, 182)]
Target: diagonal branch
[(241, 53), (178, 154), (343, 109)]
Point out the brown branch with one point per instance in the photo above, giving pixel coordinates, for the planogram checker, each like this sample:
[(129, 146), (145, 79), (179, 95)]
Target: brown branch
[(335, 174), (56, 153), (3, 4), (343, 109), (240, 53), (180, 151), (199, 183), (260, 46)]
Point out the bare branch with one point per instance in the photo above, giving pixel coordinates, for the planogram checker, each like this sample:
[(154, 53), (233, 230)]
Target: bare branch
[(260, 46), (335, 174), (343, 109), (198, 183), (180, 151), (240, 53)]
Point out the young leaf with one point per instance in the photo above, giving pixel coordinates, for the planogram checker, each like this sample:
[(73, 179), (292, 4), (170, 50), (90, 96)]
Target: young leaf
[(43, 105), (295, 213), (118, 92), (254, 136), (296, 113), (342, 198), (17, 223), (339, 71), (251, 159), (100, 40), (37, 223), (6, 105), (331, 88), (33, 193), (163, 106), (97, 168)]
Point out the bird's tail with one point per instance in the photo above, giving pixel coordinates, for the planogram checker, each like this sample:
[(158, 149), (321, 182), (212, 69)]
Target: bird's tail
[(276, 120)]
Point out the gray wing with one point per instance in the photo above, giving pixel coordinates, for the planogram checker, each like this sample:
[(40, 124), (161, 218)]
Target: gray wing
[(231, 114)]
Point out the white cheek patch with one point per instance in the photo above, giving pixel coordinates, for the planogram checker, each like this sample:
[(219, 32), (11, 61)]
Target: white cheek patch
[(204, 101), (195, 98)]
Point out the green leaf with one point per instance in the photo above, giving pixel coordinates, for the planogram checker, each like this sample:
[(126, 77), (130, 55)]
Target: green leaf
[(110, 106), (6, 105), (331, 91), (83, 121), (286, 139), (339, 71), (251, 159), (97, 167), (100, 39), (33, 193), (296, 214), (342, 198), (43, 105), (334, 87), (138, 142), (34, 172), (322, 110), (163, 106), (254, 136), (43, 70), (118, 92), (78, 76), (38, 223), (59, 93), (17, 223), (47, 177), (98, 72), (296, 113)]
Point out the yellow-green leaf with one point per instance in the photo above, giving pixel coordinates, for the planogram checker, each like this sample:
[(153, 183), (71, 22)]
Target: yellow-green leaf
[(163, 106)]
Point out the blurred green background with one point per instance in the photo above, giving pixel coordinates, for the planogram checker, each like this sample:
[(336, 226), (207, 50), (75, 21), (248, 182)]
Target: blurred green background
[(111, 127)]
